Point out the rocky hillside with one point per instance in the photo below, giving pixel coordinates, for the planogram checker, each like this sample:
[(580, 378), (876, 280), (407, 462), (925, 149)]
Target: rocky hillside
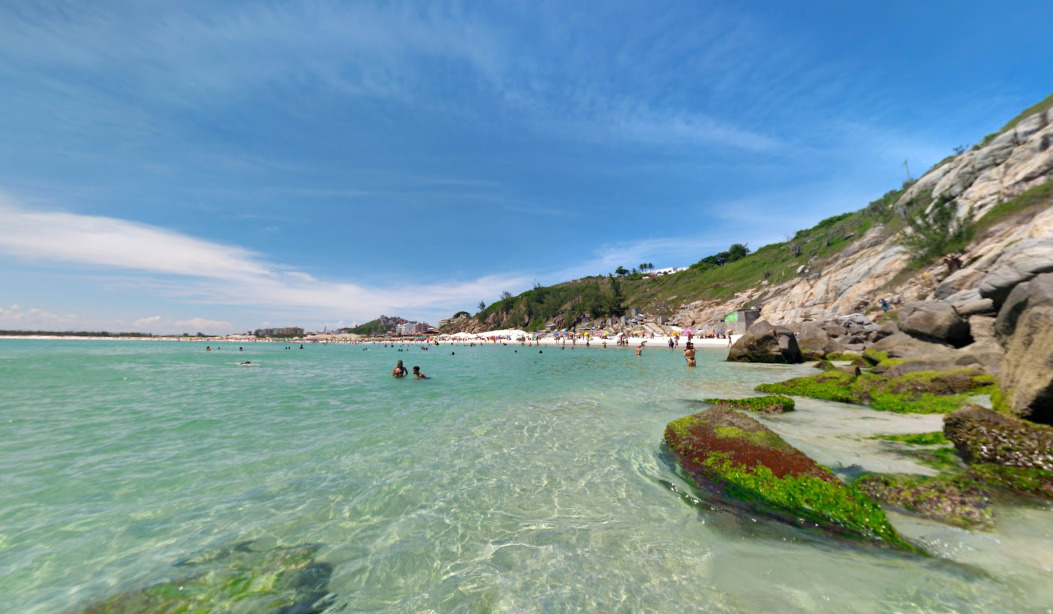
[(1002, 185), (1000, 189)]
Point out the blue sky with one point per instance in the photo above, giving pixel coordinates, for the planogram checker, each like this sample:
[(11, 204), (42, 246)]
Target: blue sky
[(218, 167)]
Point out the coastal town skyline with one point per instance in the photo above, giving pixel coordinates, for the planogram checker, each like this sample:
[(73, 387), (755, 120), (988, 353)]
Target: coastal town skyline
[(225, 168)]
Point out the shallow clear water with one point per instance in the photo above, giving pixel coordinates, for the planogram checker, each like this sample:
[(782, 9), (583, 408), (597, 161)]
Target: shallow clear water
[(510, 481)]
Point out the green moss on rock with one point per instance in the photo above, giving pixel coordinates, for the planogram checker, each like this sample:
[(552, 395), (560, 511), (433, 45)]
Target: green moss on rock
[(918, 392), (1030, 481), (766, 404), (737, 459), (934, 438)]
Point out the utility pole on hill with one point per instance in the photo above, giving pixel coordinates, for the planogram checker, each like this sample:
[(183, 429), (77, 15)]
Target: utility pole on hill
[(907, 167)]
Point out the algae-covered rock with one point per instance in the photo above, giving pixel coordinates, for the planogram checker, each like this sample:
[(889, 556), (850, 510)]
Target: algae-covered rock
[(246, 578), (955, 500), (765, 405), (985, 436), (766, 343), (1029, 481), (918, 392), (745, 465), (824, 365)]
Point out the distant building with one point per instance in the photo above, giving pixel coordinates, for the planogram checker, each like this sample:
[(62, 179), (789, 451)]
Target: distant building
[(669, 270), (412, 328)]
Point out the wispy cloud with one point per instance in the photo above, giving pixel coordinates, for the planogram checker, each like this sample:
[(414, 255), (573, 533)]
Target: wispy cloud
[(205, 272), (16, 316)]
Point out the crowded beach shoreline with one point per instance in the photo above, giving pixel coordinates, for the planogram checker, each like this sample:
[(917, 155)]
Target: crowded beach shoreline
[(496, 337)]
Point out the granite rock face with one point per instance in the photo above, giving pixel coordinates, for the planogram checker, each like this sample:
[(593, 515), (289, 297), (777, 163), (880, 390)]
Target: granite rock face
[(985, 436), (766, 343)]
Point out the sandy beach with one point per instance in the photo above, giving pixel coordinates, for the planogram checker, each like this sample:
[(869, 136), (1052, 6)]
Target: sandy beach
[(520, 336)]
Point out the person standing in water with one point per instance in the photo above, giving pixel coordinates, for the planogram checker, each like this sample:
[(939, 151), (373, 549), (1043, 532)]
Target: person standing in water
[(689, 354), (399, 370), (417, 374)]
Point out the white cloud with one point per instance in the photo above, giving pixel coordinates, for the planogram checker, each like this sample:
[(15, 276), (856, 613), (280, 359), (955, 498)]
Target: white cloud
[(149, 322), (29, 319), (212, 273)]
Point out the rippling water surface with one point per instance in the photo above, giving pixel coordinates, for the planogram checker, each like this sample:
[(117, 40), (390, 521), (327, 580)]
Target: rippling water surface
[(512, 480)]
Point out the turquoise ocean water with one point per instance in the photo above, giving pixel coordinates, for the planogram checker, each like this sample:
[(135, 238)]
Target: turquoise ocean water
[(512, 481)]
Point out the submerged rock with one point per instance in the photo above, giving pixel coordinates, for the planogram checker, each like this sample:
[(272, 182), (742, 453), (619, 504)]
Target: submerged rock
[(766, 343), (985, 436), (248, 577), (744, 464)]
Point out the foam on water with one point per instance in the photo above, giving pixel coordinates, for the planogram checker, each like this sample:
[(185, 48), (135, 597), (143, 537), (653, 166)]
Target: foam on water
[(512, 480)]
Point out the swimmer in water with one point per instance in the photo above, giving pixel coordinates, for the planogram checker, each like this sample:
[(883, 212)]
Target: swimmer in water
[(399, 370), (418, 374)]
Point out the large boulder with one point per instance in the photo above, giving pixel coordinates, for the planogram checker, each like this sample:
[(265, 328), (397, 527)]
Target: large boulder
[(1025, 329), (814, 339), (985, 436), (934, 321), (740, 463), (1017, 264), (766, 343)]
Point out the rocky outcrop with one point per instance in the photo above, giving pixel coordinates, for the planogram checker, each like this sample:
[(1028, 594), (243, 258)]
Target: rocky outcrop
[(1011, 163), (766, 343), (870, 267), (934, 321), (1025, 329), (742, 464), (985, 436)]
